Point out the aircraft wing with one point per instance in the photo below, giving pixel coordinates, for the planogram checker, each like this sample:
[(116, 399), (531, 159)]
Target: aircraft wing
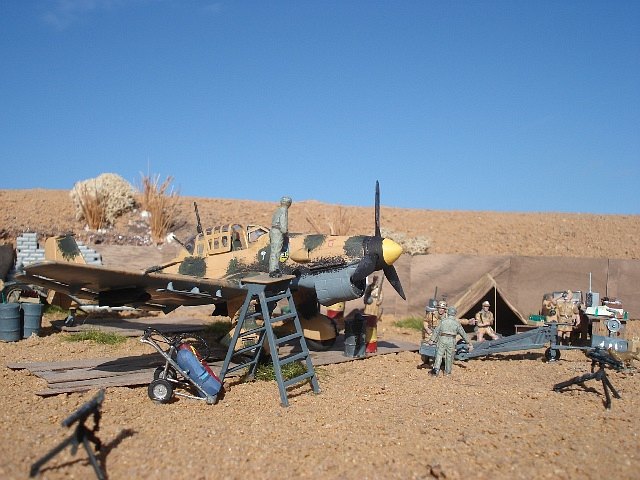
[(115, 287)]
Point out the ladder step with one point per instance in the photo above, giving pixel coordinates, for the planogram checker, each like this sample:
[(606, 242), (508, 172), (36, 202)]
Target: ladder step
[(292, 358), (298, 379), (293, 336), (275, 298), (252, 331), (242, 365), (283, 318), (253, 315), (246, 349)]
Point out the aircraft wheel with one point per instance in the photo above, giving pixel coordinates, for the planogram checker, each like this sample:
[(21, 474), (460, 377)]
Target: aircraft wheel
[(12, 293), (160, 390), (552, 354), (171, 373), (320, 345)]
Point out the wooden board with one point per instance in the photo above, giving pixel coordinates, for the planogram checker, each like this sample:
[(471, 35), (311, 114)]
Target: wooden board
[(88, 374)]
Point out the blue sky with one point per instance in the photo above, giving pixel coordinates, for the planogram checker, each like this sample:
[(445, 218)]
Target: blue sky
[(456, 105)]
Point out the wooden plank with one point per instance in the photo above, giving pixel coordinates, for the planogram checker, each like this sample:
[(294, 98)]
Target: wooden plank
[(91, 374), (33, 367), (86, 374), (129, 380), (61, 365)]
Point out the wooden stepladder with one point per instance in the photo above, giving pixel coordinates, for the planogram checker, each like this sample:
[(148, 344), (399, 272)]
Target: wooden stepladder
[(263, 292)]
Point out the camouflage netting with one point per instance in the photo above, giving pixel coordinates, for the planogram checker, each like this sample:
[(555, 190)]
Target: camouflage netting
[(113, 192)]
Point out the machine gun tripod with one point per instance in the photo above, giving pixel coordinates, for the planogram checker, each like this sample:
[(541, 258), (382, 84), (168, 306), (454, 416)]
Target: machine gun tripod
[(602, 359), (82, 435)]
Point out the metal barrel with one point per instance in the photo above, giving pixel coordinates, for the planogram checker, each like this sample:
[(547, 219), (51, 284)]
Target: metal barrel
[(32, 314), (9, 322)]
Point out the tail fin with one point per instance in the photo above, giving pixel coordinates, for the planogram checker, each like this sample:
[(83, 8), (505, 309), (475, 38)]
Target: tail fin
[(63, 248)]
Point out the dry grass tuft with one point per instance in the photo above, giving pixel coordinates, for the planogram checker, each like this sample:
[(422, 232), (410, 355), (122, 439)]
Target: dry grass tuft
[(91, 205), (339, 222), (160, 200)]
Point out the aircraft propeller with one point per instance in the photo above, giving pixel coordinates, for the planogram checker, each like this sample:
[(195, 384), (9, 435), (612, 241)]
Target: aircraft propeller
[(380, 253)]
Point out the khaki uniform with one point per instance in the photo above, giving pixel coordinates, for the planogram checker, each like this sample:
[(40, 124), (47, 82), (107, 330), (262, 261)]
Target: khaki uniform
[(445, 335), (567, 313), (484, 323), (549, 310), (375, 307), (430, 322)]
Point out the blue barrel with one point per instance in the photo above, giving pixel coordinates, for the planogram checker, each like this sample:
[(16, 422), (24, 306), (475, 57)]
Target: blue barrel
[(32, 314), (9, 322)]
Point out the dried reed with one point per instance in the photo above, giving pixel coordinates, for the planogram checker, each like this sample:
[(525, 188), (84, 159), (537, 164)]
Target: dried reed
[(160, 200), (92, 205)]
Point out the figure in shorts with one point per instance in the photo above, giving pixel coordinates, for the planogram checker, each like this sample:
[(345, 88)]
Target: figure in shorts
[(484, 323), (568, 316)]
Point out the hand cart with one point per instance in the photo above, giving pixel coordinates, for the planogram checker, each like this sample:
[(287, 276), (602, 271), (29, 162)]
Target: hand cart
[(193, 375)]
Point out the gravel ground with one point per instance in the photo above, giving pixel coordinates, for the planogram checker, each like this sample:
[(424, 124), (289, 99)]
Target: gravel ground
[(375, 418)]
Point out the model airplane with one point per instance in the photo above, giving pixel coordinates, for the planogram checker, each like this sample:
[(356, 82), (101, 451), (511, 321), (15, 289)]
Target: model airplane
[(211, 267)]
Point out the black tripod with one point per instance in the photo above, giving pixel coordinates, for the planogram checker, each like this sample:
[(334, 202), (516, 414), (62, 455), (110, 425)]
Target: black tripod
[(82, 434), (600, 358)]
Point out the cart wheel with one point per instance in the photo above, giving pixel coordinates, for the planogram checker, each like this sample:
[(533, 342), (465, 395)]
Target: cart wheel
[(552, 354), (171, 373), (160, 390)]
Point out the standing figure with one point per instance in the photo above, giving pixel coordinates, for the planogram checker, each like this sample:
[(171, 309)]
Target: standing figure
[(373, 299), (548, 309), (484, 323), (567, 315), (445, 335), (279, 230), (432, 319)]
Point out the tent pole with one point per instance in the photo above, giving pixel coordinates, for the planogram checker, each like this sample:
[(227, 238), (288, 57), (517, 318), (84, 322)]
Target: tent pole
[(495, 307)]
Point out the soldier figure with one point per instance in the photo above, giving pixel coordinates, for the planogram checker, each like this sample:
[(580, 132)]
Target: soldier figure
[(567, 314), (432, 319), (279, 229), (484, 323), (373, 299), (445, 335), (548, 309)]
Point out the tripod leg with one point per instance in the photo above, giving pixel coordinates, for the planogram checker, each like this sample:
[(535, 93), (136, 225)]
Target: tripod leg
[(607, 403), (573, 381), (608, 382)]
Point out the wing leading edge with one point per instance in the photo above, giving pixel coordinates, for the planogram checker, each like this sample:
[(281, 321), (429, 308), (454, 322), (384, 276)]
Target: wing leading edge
[(116, 287)]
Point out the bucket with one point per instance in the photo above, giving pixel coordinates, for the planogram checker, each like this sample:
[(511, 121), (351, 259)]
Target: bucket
[(32, 314), (354, 337), (9, 322)]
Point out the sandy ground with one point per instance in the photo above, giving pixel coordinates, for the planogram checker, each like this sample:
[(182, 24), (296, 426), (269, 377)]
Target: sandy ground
[(376, 418)]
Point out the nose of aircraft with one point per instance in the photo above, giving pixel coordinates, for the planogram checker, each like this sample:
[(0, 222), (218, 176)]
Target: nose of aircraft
[(390, 251)]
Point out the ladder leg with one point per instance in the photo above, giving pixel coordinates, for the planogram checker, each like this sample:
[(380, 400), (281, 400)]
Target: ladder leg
[(273, 348)]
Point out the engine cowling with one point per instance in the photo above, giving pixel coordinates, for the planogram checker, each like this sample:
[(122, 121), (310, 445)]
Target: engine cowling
[(332, 286)]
